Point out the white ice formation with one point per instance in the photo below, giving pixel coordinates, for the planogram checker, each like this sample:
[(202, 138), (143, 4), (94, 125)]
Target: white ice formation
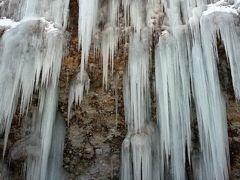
[(172, 47), (31, 50)]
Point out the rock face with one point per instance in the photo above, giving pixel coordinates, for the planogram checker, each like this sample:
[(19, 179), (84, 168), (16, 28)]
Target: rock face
[(96, 130)]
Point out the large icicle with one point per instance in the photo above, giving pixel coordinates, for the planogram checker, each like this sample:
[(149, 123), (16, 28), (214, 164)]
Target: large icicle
[(136, 86), (31, 54), (173, 96), (225, 19), (55, 160), (43, 139), (88, 11), (137, 14), (137, 145), (210, 106), (126, 159), (47, 110), (110, 39)]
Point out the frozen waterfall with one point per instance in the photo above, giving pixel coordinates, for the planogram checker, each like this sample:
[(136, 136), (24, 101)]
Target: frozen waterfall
[(172, 63)]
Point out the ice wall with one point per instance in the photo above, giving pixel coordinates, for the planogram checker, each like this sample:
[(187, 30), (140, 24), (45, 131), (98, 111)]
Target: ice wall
[(174, 38), (32, 44)]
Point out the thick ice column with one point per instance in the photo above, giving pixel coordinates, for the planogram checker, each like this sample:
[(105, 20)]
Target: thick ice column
[(142, 156), (137, 163), (126, 159), (136, 86), (223, 18), (42, 139), (137, 156), (173, 98), (55, 160), (210, 106), (34, 147), (47, 109), (31, 51)]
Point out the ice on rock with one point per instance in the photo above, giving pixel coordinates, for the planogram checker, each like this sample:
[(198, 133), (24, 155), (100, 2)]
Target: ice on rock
[(29, 144), (7, 23), (185, 77), (110, 35), (52, 10), (224, 19), (31, 55), (210, 106), (155, 15), (42, 139), (31, 51), (78, 86)]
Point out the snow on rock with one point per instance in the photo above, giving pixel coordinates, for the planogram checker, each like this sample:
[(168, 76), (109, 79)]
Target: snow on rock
[(7, 23)]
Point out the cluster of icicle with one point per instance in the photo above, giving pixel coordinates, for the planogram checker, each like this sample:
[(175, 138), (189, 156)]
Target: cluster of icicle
[(186, 80), (31, 51)]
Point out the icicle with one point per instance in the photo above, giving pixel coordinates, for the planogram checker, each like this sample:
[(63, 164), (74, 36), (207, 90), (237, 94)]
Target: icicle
[(114, 11), (142, 156), (55, 161), (55, 11), (37, 139), (137, 145), (47, 109), (137, 12), (173, 96), (77, 88), (137, 158), (136, 86), (126, 10), (210, 107), (30, 49), (88, 11), (29, 144), (109, 43), (126, 161), (225, 20)]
